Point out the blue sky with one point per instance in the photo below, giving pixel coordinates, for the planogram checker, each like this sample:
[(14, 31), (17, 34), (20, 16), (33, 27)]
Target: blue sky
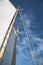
[(30, 38)]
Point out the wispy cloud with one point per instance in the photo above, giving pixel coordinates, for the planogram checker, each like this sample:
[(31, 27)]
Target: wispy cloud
[(26, 21)]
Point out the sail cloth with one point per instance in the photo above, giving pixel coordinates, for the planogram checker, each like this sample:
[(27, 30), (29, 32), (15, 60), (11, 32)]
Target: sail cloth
[(7, 11)]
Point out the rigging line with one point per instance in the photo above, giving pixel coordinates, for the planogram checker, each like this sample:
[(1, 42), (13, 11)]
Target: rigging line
[(23, 34), (30, 46), (34, 49), (35, 52), (30, 42)]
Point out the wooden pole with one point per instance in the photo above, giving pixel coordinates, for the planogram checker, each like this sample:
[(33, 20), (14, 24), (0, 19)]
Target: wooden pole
[(13, 62), (7, 37)]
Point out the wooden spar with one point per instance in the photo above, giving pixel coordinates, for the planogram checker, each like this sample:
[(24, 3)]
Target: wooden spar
[(13, 62), (7, 37)]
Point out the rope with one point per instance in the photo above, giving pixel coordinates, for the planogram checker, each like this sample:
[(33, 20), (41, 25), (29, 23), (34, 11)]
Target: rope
[(34, 55)]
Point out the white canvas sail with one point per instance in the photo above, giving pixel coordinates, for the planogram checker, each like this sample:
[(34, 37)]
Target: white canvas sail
[(7, 11)]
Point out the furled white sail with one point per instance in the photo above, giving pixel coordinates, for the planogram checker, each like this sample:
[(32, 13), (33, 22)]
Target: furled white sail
[(7, 11)]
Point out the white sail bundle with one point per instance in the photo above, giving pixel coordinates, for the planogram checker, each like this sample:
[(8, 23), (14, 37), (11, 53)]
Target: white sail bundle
[(8, 14)]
